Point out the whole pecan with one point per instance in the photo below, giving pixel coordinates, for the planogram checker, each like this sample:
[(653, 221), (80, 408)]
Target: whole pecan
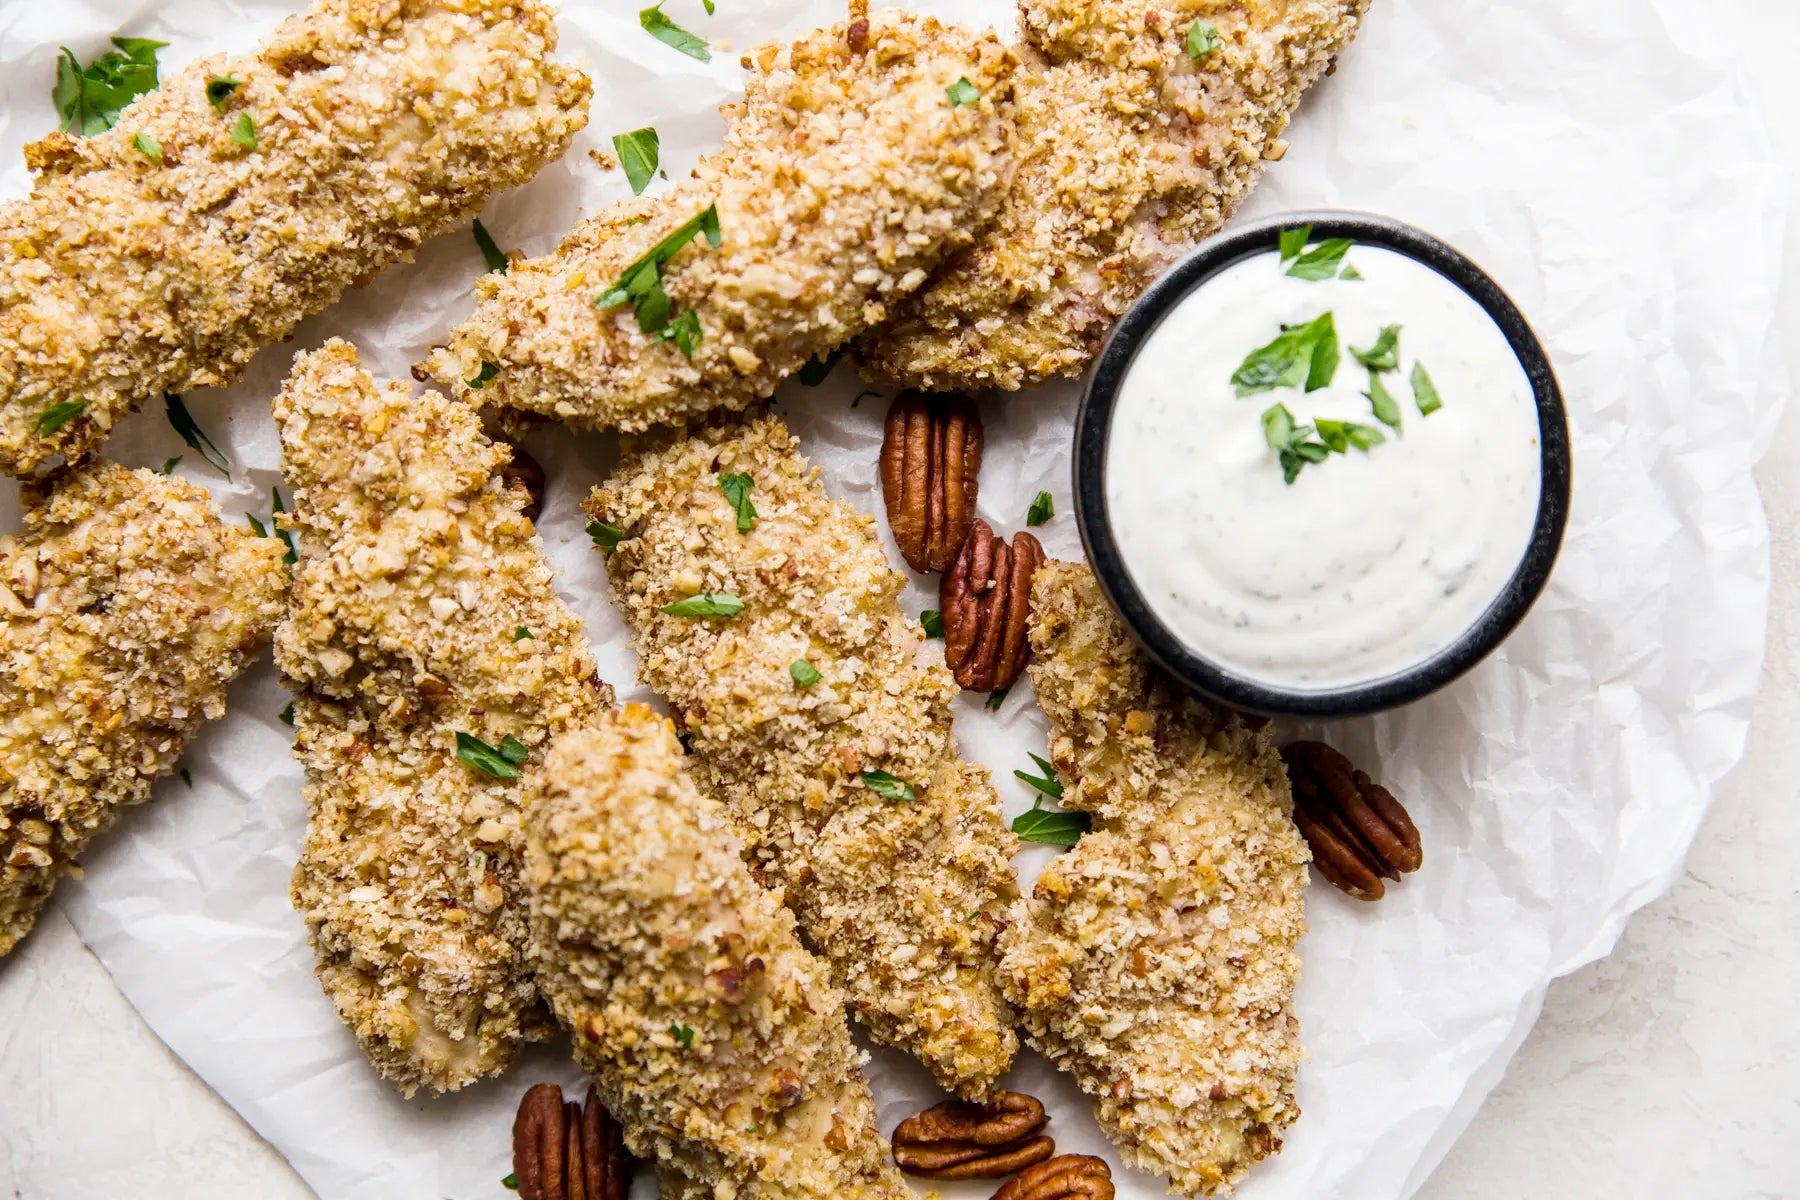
[(527, 474), (930, 457), (985, 598), (959, 1140), (568, 1151), (1064, 1177), (1358, 832)]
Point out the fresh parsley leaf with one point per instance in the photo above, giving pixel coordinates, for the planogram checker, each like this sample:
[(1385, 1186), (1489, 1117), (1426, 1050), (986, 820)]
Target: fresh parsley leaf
[(1322, 261), (244, 132), (1384, 355), (683, 1035), (513, 750), (1350, 273), (183, 423), (257, 525), (1043, 507), (1202, 39), (736, 487), (605, 536), (1049, 785), (890, 787), (169, 465), (684, 330), (58, 415), (498, 762), (669, 33), (510, 1183), (490, 250), (1052, 827), (89, 99), (147, 146), (932, 621), (1382, 402), (1339, 436), (1425, 393), (816, 370), (1293, 241), (287, 714), (641, 284), (219, 89), (483, 377), (521, 634), (293, 552), (995, 699), (1325, 356), (706, 604), (1291, 360), (638, 153), (962, 92), (804, 673), (1293, 444)]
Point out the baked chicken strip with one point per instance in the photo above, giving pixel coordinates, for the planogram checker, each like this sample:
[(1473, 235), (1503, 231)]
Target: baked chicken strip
[(361, 128), (127, 607), (1131, 152), (431, 661), (847, 788), (713, 1036), (1156, 961), (860, 156)]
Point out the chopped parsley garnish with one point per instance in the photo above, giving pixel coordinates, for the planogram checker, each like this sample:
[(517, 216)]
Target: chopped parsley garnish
[(257, 525), (502, 761), (1293, 241), (1350, 273), (510, 1183), (89, 99), (638, 153), (706, 604), (1052, 826), (817, 369), (1321, 261), (995, 699), (962, 92), (1425, 392), (932, 621), (709, 6), (186, 777), (1043, 507), (736, 487), (669, 33), (1384, 355), (219, 89), (1293, 444), (683, 1035), (169, 465), (183, 423), (287, 714), (684, 331), (1382, 402), (147, 146), (483, 377), (490, 249), (522, 634), (58, 415), (1202, 39), (1301, 355), (804, 673), (890, 787), (275, 505), (605, 536), (641, 284), (244, 132), (1339, 436), (1048, 785)]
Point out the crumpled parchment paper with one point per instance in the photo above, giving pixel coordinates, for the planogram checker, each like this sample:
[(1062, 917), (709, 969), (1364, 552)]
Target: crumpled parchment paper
[(1608, 172)]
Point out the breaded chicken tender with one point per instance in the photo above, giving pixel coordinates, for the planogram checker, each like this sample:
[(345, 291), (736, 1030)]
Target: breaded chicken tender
[(1131, 152), (856, 162), (847, 789), (1156, 961), (376, 124), (423, 614), (713, 1036), (127, 607)]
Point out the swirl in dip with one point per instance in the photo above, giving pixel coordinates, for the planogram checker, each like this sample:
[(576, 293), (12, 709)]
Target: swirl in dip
[(1275, 522)]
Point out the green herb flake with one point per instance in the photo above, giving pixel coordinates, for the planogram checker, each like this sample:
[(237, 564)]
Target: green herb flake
[(510, 1183), (287, 714), (684, 330), (683, 1035), (995, 699), (1425, 393), (962, 92), (490, 249), (1051, 826), (522, 634), (169, 465), (58, 415), (513, 750), (641, 285), (1202, 39), (219, 89), (256, 525), (658, 26), (1321, 261), (736, 485), (1384, 355), (706, 604), (804, 673), (817, 370), (1293, 444), (605, 536), (147, 146), (186, 777), (890, 787), (275, 505), (1339, 436), (1382, 402), (483, 377), (1299, 355), (89, 99), (932, 621), (497, 762), (1043, 507), (1048, 785), (639, 152), (1325, 357), (709, 7), (1350, 273), (1293, 241), (244, 132)]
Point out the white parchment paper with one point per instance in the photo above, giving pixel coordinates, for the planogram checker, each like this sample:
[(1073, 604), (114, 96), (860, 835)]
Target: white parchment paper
[(1609, 173)]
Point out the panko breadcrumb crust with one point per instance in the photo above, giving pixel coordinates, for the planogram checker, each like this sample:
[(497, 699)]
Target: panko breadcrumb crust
[(378, 123), (423, 606), (127, 607), (847, 174), (1156, 961), (903, 898), (1130, 154), (714, 1037)]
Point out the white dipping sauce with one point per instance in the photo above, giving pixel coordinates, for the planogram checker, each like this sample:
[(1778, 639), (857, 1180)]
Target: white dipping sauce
[(1370, 562)]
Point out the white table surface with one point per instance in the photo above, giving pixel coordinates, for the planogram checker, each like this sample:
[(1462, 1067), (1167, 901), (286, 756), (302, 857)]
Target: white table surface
[(1670, 1069)]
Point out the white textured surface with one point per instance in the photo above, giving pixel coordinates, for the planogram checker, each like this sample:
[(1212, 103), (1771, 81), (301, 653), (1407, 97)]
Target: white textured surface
[(1670, 1066)]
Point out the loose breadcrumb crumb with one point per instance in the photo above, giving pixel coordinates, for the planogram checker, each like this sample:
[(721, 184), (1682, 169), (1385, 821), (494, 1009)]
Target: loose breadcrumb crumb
[(417, 573), (127, 607), (1156, 961)]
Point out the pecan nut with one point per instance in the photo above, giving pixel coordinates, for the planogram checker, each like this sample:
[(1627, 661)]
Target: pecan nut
[(527, 475), (568, 1151), (959, 1140), (930, 457), (1358, 832), (985, 598), (1065, 1177)]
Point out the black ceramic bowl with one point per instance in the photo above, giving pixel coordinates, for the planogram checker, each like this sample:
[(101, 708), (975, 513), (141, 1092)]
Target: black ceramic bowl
[(1094, 421)]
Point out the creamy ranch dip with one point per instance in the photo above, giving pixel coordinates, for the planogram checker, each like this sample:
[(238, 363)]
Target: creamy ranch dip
[(1369, 562)]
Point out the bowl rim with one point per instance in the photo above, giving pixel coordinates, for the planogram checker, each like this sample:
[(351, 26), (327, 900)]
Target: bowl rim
[(1093, 423)]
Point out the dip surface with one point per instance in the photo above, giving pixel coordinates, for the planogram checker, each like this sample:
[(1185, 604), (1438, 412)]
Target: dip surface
[(1369, 562)]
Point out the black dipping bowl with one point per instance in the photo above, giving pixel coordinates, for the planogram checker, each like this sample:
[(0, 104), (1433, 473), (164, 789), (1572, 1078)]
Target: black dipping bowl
[(1094, 421)]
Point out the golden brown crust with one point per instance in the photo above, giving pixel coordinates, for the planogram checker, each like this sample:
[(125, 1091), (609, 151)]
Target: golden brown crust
[(127, 607), (1130, 153), (715, 1038), (844, 178), (418, 574), (1156, 961), (380, 123), (902, 898)]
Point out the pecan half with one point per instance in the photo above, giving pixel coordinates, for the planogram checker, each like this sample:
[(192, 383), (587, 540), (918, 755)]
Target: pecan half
[(959, 1140), (985, 598), (568, 1151), (1358, 832), (1064, 1177), (527, 474), (930, 457)]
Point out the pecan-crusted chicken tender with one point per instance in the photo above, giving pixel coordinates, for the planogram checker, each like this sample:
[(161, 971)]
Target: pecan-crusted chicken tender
[(848, 172), (127, 607), (714, 1037), (377, 123), (901, 893), (1156, 961), (1130, 153), (423, 608)]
